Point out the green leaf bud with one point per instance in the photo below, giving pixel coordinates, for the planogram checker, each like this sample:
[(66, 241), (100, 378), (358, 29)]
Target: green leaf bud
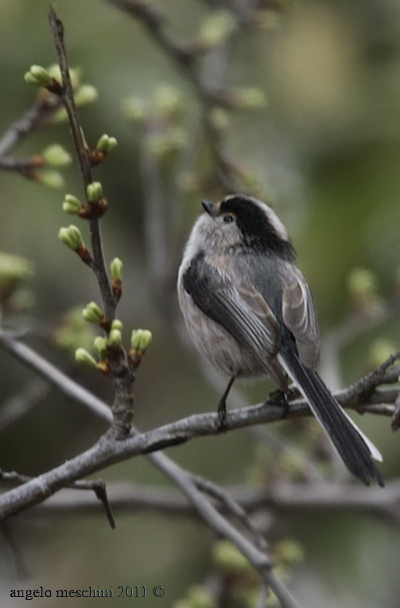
[(165, 145), (83, 356), (76, 235), (288, 551), (116, 267), (72, 331), (54, 71), (74, 74), (229, 559), (100, 346), (94, 192), (38, 75), (216, 28), (85, 95), (249, 98), (60, 116), (141, 340), (13, 271), (21, 300), (56, 156), (135, 109), (30, 79), (200, 597), (92, 313), (71, 204), (219, 119), (361, 283), (106, 144), (51, 179), (71, 237), (14, 268), (379, 352), (115, 338), (116, 324), (169, 102)]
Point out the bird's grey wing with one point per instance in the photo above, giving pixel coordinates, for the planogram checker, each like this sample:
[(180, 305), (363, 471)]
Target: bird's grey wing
[(239, 308), (299, 316)]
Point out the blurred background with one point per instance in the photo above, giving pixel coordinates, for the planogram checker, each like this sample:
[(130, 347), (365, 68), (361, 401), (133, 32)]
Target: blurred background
[(319, 138)]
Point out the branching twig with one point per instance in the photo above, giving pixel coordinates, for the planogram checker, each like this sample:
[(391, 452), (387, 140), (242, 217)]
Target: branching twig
[(122, 373), (231, 506), (84, 164), (33, 119), (98, 486)]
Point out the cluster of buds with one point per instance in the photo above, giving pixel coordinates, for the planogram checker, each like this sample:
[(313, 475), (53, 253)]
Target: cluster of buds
[(135, 110), (108, 347), (97, 204), (14, 272), (92, 313), (50, 79), (103, 147), (166, 145), (214, 30), (246, 98), (53, 156), (105, 347), (362, 288), (72, 205), (71, 331), (72, 238), (198, 596), (379, 351), (83, 96), (168, 102), (56, 156), (39, 76), (166, 137)]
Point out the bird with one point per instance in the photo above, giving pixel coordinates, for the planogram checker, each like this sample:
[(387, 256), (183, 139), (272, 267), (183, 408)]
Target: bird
[(249, 311)]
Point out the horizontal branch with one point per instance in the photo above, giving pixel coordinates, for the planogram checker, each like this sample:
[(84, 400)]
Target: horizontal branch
[(285, 498), (105, 452)]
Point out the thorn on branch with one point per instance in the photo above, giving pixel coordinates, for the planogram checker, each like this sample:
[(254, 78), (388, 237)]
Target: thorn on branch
[(100, 490)]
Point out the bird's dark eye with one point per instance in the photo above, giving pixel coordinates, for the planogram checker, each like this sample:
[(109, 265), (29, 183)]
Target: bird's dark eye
[(228, 218)]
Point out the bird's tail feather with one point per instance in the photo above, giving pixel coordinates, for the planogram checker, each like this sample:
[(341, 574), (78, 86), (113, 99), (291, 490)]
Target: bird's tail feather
[(355, 449)]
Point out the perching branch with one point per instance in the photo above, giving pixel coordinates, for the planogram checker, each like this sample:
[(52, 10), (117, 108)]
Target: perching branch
[(105, 452)]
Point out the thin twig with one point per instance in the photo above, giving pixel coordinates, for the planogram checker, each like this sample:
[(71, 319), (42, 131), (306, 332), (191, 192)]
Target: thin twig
[(97, 486), (122, 374), (99, 267), (231, 506), (38, 116), (283, 498), (23, 402)]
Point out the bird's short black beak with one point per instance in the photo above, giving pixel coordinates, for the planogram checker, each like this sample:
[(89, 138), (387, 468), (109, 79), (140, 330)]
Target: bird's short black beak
[(208, 207)]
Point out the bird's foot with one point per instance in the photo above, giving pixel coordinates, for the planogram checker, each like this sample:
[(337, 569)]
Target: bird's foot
[(222, 416), (281, 399)]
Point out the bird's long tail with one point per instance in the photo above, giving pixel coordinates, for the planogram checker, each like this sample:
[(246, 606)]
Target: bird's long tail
[(353, 446)]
